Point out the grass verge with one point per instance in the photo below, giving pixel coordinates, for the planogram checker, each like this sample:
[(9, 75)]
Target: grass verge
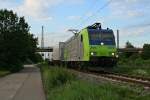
[(60, 84), (136, 67), (3, 73)]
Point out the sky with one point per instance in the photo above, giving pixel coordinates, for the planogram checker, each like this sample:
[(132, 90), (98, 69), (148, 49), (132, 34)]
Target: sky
[(131, 17)]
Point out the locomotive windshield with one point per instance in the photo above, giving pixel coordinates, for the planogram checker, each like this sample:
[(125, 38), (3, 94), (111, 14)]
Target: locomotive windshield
[(96, 37)]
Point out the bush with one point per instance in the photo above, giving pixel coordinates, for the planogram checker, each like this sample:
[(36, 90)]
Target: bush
[(3, 73), (37, 58), (146, 51), (147, 62), (128, 54), (12, 66), (135, 56), (55, 77), (139, 61), (140, 72), (16, 67)]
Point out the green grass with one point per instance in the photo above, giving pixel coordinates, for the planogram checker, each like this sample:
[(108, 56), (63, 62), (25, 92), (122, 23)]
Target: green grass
[(82, 90), (60, 84), (3, 73), (136, 67)]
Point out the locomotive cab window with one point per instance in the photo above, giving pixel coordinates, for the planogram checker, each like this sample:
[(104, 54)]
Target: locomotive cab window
[(108, 37), (96, 37)]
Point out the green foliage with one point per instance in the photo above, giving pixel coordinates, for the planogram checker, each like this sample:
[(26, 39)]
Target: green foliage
[(47, 60), (146, 51), (147, 62), (135, 67), (37, 58), (55, 77), (138, 62), (135, 56), (16, 43), (15, 65), (129, 45), (3, 73), (62, 85), (127, 54), (145, 54), (82, 90), (135, 64), (140, 72)]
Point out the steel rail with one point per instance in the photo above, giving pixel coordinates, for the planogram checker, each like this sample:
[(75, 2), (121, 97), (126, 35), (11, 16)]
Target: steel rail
[(118, 77)]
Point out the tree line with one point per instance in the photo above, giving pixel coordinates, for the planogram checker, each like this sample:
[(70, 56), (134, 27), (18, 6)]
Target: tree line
[(145, 54), (17, 44)]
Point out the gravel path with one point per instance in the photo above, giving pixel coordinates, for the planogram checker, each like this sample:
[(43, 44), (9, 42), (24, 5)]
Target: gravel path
[(25, 85)]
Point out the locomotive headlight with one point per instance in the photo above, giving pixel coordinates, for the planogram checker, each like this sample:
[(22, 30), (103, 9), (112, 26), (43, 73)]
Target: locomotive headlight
[(92, 53), (102, 43), (113, 54)]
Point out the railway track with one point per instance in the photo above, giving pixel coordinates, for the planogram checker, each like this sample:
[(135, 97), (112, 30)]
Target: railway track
[(126, 78), (121, 78)]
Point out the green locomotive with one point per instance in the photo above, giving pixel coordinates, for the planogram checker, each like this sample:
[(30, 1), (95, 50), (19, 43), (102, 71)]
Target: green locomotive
[(92, 46)]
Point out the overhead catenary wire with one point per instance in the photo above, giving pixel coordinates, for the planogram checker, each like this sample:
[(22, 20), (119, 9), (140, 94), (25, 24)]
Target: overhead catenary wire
[(88, 10), (100, 9)]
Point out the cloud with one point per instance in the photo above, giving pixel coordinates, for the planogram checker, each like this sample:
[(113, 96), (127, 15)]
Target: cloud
[(143, 24), (136, 31), (53, 38), (37, 9), (137, 35), (131, 17), (129, 8)]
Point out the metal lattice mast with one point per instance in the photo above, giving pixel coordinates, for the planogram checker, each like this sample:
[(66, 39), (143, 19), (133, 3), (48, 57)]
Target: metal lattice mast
[(117, 39), (42, 38)]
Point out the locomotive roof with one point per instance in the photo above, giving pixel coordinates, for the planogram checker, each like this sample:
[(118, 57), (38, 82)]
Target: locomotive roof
[(98, 28)]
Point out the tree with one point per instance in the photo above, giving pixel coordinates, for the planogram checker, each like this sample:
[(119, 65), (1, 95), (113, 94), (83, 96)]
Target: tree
[(128, 45), (16, 43), (146, 51)]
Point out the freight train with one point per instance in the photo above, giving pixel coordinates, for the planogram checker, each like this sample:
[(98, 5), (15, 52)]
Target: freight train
[(92, 46)]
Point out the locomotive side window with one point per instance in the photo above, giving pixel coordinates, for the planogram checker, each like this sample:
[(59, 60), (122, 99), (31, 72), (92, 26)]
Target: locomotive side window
[(81, 38)]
